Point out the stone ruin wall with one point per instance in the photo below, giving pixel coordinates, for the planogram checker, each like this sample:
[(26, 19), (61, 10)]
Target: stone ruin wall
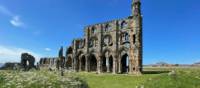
[(48, 62), (113, 47)]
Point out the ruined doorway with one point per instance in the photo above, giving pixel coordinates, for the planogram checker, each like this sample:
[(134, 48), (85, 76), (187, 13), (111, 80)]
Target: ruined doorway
[(125, 64), (93, 63), (83, 60)]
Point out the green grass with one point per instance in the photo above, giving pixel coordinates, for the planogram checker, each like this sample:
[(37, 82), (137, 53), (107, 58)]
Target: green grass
[(184, 78), (153, 78), (38, 79), (113, 81)]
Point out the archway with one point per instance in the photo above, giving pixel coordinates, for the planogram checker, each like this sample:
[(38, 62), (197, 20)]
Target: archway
[(69, 62), (125, 63), (83, 60), (77, 64), (110, 63), (27, 61), (93, 63), (104, 64)]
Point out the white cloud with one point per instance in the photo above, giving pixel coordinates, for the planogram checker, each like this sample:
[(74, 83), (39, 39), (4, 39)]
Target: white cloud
[(15, 21), (13, 54), (47, 49)]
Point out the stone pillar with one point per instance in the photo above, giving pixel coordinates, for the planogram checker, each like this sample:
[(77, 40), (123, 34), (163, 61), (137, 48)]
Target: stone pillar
[(80, 65), (89, 69), (114, 65), (86, 63), (119, 65), (131, 66), (98, 65), (74, 64), (107, 64)]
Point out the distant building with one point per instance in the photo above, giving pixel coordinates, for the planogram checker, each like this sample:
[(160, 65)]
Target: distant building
[(48, 61)]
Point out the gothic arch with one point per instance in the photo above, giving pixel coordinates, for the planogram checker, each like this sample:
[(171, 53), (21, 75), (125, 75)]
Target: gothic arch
[(69, 61), (123, 50), (93, 42), (83, 62), (107, 40), (108, 27), (107, 60), (92, 62), (80, 52), (93, 30), (110, 63), (124, 37), (124, 63), (124, 25), (69, 50), (107, 50)]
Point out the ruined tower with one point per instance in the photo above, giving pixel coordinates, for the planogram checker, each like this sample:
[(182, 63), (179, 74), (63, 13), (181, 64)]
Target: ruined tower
[(136, 39)]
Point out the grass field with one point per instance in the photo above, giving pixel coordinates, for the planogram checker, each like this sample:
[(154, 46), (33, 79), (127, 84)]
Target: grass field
[(152, 78)]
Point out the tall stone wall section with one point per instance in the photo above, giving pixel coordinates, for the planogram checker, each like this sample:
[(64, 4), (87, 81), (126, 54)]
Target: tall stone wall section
[(114, 46)]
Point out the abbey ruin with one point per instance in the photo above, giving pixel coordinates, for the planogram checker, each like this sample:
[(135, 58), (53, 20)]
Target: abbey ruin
[(114, 46)]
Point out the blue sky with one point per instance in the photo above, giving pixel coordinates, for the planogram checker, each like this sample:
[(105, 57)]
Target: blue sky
[(171, 27)]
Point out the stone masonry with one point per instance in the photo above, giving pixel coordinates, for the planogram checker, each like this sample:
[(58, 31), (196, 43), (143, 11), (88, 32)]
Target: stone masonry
[(113, 47)]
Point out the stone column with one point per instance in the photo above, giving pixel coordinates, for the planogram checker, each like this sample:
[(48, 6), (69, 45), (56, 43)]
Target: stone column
[(80, 65), (98, 65), (114, 65), (74, 64), (107, 64), (86, 63), (119, 65), (130, 66), (89, 69)]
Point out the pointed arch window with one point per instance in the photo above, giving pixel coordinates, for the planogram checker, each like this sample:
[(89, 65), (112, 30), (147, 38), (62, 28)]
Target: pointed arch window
[(93, 43), (124, 38), (93, 30), (134, 38), (108, 27), (107, 40), (124, 25)]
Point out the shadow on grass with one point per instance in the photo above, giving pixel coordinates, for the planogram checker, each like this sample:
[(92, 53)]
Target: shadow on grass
[(154, 72)]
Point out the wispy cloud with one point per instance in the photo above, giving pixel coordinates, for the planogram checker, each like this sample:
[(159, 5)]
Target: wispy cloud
[(13, 54), (15, 19), (47, 49)]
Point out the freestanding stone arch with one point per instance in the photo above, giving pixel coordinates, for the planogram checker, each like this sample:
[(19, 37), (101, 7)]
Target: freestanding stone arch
[(27, 61)]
